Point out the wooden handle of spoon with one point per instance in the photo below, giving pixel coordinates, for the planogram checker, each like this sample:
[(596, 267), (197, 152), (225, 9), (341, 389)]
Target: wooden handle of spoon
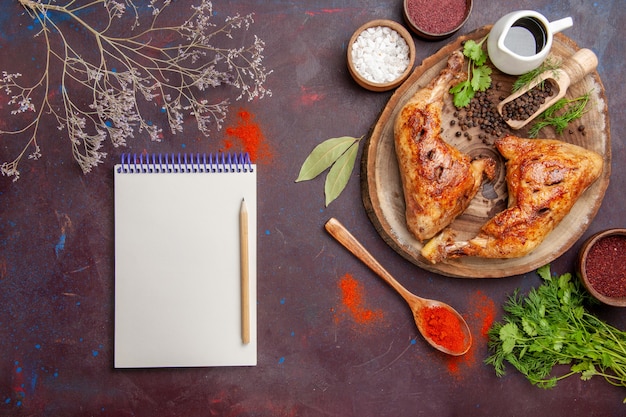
[(343, 236), (417, 304), (580, 64)]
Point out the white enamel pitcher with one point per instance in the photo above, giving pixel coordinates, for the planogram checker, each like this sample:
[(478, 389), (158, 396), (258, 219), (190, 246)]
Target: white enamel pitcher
[(520, 41)]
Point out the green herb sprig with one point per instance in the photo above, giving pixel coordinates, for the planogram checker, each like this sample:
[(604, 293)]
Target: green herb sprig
[(478, 74), (338, 154), (549, 327), (560, 114), (530, 76)]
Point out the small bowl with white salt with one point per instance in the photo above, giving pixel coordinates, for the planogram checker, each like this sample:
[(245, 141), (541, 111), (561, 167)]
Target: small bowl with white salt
[(381, 54)]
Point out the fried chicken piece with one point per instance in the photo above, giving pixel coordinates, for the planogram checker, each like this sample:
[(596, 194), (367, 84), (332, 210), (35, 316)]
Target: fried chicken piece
[(438, 180), (545, 178)]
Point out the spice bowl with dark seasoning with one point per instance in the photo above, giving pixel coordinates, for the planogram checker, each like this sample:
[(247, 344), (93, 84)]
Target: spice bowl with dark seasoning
[(602, 266), (381, 55), (436, 20)]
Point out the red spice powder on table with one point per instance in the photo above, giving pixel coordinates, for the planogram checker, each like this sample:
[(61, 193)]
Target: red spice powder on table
[(352, 297), (436, 16), (480, 319), (483, 311), (249, 138), (444, 328), (606, 266)]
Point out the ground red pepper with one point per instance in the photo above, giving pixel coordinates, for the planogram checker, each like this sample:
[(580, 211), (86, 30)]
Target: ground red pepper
[(606, 266), (484, 311), (444, 328), (436, 16), (250, 137), (482, 315), (352, 298)]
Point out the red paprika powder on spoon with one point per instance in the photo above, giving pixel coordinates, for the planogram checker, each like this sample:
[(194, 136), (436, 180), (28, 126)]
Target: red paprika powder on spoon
[(444, 328)]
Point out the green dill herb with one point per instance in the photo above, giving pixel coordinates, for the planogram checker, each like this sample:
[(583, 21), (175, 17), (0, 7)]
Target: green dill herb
[(560, 114), (549, 327), (527, 78)]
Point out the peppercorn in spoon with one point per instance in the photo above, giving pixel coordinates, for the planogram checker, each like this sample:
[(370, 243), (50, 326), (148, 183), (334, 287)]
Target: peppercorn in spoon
[(572, 71), (441, 325)]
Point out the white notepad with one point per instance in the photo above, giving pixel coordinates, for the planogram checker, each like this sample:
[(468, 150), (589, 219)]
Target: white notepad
[(178, 268)]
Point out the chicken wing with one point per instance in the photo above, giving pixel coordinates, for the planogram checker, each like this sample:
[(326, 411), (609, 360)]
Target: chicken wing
[(438, 180)]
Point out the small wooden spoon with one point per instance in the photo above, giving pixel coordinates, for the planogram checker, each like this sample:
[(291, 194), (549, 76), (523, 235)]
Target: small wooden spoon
[(572, 71), (417, 304)]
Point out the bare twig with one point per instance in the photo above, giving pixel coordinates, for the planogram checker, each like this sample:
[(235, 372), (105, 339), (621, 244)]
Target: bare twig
[(127, 70)]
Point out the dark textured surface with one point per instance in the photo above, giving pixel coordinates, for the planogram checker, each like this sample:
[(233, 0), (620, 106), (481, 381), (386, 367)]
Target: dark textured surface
[(314, 359)]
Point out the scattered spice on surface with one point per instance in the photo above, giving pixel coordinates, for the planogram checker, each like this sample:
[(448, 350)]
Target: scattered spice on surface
[(250, 137), (444, 328), (484, 312), (480, 319), (380, 54), (436, 16), (606, 266), (352, 297), (482, 113)]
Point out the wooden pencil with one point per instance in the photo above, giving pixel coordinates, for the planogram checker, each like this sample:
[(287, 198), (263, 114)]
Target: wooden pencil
[(245, 274)]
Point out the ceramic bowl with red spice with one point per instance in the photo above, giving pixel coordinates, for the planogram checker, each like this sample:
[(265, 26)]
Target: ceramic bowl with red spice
[(436, 19), (602, 266), (381, 54)]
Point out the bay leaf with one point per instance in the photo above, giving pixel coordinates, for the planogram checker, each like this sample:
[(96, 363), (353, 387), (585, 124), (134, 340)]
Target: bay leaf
[(324, 155), (339, 174)]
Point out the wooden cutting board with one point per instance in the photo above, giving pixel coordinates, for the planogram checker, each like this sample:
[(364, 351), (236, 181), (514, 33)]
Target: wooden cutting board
[(382, 189)]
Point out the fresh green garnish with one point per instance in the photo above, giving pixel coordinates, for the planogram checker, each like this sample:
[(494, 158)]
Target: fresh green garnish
[(549, 327), (525, 79), (560, 114), (338, 154), (478, 74)]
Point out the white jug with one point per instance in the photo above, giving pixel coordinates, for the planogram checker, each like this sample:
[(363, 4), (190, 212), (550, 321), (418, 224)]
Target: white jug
[(520, 41)]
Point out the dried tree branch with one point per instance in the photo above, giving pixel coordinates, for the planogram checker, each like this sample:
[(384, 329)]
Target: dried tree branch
[(172, 65)]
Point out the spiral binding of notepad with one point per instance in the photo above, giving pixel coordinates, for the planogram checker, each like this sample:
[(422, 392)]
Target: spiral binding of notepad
[(185, 163)]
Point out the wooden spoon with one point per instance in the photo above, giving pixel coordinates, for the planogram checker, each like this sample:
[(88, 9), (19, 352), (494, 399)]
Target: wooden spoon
[(418, 305), (572, 71)]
